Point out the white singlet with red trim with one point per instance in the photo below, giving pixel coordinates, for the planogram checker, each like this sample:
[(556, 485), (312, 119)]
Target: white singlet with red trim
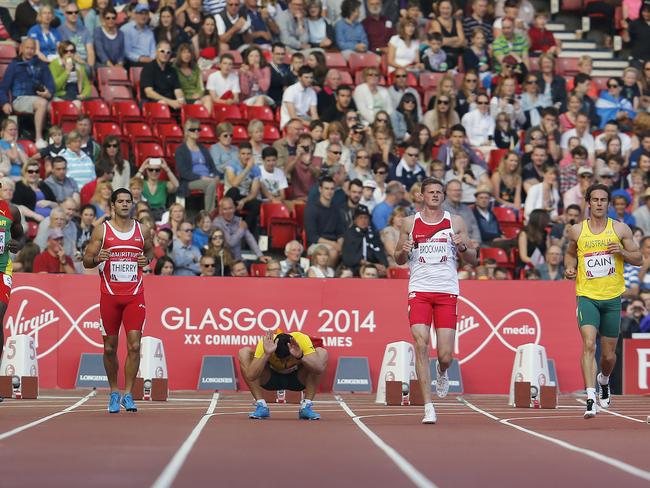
[(121, 274), (433, 259)]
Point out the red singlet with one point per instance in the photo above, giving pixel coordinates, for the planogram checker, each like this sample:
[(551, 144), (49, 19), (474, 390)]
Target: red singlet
[(122, 290)]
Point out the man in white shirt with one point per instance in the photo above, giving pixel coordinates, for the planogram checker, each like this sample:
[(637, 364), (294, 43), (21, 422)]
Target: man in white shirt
[(642, 214), (611, 130), (478, 123), (299, 100), (273, 180), (544, 195), (223, 85), (232, 27), (581, 131)]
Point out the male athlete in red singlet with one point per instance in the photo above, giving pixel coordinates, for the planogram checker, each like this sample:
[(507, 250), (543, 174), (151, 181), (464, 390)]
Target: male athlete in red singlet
[(120, 250), (430, 241)]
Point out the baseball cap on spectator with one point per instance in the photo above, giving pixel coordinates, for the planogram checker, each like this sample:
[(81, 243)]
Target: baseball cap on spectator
[(369, 184), (55, 233), (141, 7), (510, 59), (482, 189), (605, 171), (585, 170), (622, 193), (361, 210)]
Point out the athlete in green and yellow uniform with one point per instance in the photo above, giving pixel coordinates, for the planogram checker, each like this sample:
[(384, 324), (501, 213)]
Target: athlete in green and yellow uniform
[(599, 246), (12, 239)]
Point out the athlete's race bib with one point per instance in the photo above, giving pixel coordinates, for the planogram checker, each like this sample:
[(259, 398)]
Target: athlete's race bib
[(2, 242), (124, 271), (599, 264), (435, 251)]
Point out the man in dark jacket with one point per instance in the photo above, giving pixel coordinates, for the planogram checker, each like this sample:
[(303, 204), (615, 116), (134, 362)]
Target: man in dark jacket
[(323, 222), (488, 225), (362, 245), (27, 86)]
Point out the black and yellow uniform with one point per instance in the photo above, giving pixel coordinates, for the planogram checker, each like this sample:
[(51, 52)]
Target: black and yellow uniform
[(284, 372)]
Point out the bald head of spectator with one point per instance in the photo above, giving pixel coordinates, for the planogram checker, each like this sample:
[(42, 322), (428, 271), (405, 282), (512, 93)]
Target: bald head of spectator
[(454, 192), (554, 256), (508, 28), (333, 79), (227, 209), (27, 48), (394, 193)]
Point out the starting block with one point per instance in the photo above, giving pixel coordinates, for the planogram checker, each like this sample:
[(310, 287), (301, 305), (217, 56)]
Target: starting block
[(530, 366), (527, 396), (6, 389), (151, 382), (398, 365), (20, 365), (282, 396), (398, 393)]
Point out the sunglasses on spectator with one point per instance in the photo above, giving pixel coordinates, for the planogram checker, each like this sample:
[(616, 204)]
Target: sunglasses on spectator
[(110, 17), (305, 148), (164, 51), (484, 102), (382, 172), (442, 102), (208, 265), (194, 129), (409, 101), (471, 80), (70, 51), (113, 145), (217, 237), (32, 171), (337, 153), (72, 12), (226, 135), (400, 76), (154, 170)]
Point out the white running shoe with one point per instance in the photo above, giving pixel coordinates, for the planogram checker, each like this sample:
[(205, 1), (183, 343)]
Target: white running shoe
[(442, 383), (604, 397), (591, 410), (429, 414)]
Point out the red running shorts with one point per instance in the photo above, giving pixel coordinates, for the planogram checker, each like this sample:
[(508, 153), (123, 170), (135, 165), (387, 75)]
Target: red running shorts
[(437, 309), (116, 310), (5, 288)]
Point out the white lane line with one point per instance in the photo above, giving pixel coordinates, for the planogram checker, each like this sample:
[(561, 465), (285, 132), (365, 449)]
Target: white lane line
[(170, 472), (407, 468), (611, 412), (616, 463), (22, 428)]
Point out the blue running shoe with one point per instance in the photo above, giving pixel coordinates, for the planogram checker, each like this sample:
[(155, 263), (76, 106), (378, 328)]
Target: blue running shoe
[(127, 403), (261, 412), (306, 413), (114, 402)]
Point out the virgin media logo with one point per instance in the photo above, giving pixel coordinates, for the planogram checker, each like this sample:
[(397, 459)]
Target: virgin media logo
[(474, 330), (33, 311)]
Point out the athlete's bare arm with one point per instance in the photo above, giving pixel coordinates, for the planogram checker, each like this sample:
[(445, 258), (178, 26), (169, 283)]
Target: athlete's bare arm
[(258, 364), (313, 362), (461, 240), (17, 240), (147, 254), (630, 251), (94, 253), (571, 256), (404, 244)]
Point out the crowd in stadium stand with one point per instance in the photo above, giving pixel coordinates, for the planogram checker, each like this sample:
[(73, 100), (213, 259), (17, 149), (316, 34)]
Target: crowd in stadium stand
[(289, 138)]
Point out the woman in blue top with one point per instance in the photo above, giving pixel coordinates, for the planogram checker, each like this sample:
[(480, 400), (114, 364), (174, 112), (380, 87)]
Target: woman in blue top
[(10, 148), (47, 37), (92, 20)]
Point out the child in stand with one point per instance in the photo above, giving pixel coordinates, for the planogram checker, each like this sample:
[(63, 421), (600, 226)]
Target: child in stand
[(505, 136), (55, 148), (434, 57)]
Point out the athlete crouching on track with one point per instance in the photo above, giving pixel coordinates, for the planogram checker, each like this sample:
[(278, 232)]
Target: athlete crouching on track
[(430, 241), (283, 362), (120, 250)]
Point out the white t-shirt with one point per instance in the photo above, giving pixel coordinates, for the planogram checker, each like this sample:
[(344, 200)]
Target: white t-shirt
[(587, 140), (219, 85), (404, 55), (302, 98), (221, 25), (626, 142), (274, 182)]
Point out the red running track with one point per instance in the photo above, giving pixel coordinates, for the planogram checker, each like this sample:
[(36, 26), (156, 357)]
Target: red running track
[(176, 444)]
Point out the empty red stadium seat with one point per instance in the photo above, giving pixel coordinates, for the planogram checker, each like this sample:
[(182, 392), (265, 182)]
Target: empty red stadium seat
[(97, 110), (335, 60), (505, 214), (258, 270), (265, 114), (63, 110), (239, 134), (112, 75), (103, 129), (138, 132), (156, 112), (195, 111), (207, 134), (114, 93), (7, 53), (144, 150), (168, 132), (126, 111), (274, 211), (29, 147), (398, 273), (271, 134), (496, 253), (359, 61), (496, 155), (228, 113)]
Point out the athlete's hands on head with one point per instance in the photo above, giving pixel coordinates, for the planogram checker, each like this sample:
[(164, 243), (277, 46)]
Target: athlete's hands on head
[(294, 349), (269, 344), (142, 260), (570, 273), (104, 255)]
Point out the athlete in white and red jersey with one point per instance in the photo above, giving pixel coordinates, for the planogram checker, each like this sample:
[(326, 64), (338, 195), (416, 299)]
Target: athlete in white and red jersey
[(430, 241), (120, 250)]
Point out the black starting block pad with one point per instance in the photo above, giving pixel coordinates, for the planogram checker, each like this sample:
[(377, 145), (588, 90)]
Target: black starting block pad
[(217, 373)]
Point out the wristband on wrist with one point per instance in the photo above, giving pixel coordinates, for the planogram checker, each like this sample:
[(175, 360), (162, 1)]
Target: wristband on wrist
[(301, 356), (463, 249)]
